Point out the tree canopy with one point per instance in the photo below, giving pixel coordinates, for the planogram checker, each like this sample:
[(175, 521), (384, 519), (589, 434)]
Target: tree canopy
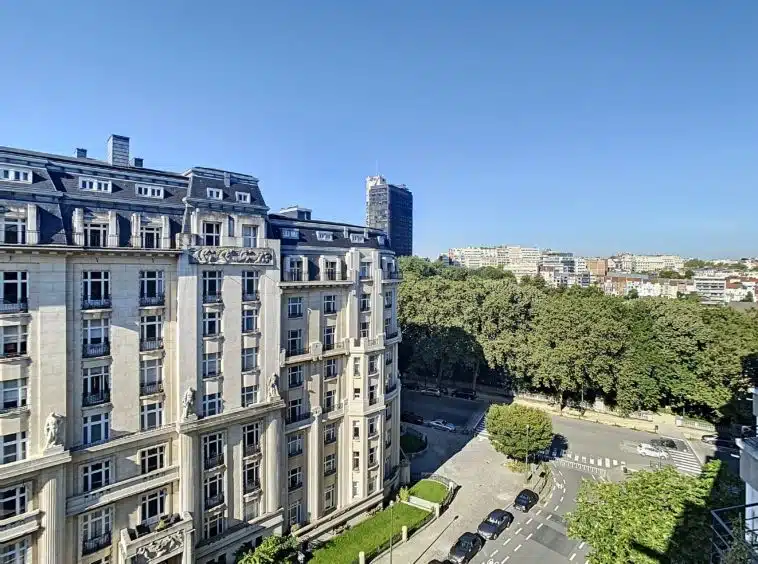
[(517, 430), (274, 549)]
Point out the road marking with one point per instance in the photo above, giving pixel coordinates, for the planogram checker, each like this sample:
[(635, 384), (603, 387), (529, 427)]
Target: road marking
[(615, 462), (607, 462), (494, 553), (572, 557), (561, 502), (540, 526), (508, 558), (581, 545), (529, 536), (556, 508), (548, 517), (539, 511), (529, 521), (519, 530), (516, 549), (507, 541)]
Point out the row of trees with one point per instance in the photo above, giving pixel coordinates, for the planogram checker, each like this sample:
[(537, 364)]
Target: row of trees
[(573, 343)]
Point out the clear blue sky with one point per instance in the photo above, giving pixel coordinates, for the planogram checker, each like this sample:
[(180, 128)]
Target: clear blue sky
[(590, 126)]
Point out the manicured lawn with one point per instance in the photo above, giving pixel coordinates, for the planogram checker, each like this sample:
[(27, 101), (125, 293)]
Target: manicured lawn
[(429, 490), (368, 535), (411, 444)]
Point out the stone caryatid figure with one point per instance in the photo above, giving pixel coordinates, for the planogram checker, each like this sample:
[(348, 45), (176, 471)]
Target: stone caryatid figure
[(188, 403), (54, 430), (273, 385)]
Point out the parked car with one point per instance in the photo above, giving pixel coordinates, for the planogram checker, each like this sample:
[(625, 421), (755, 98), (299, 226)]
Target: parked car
[(442, 424), (410, 385), (495, 523), (720, 442), (646, 449), (464, 393), (431, 391), (664, 443), (409, 417), (525, 500), (466, 548)]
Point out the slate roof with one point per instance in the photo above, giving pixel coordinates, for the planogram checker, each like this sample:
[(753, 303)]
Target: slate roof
[(307, 230)]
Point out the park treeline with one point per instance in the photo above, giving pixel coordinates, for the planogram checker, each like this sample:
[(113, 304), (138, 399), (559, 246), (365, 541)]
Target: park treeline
[(635, 354)]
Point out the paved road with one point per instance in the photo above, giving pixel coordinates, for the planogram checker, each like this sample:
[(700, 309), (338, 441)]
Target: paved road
[(456, 411)]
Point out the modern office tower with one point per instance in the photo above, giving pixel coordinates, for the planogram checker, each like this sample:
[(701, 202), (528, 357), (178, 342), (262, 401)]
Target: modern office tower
[(389, 207), (184, 373)]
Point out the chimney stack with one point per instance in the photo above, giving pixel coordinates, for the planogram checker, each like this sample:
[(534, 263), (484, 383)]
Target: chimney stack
[(227, 179), (81, 153), (137, 162), (118, 150)]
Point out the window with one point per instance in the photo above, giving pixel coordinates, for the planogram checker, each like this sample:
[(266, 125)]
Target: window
[(252, 509), (213, 450), (331, 270), (294, 307), (330, 434), (373, 428), (95, 384), (356, 488), (95, 234), (250, 320), (294, 269), (96, 428), (330, 368), (372, 456), (295, 478), (330, 463), (295, 376), (365, 329), (290, 233), (387, 330), (150, 236), (214, 525), (96, 287), (94, 185), (356, 393), (357, 238), (151, 415), (294, 342), (151, 374), (151, 284), (294, 513), (388, 356), (356, 429), (96, 475), (16, 552), (212, 404), (356, 460), (211, 233), (330, 304), (211, 323), (211, 365), (329, 338), (16, 175), (249, 236), (249, 359), (249, 395), (14, 447), (242, 197), (329, 402), (215, 194), (373, 365), (12, 501), (15, 288), (365, 269), (95, 331), (329, 500), (212, 284), (147, 191), (152, 459), (151, 328), (365, 302), (252, 436), (388, 299), (250, 280), (96, 525), (356, 367), (295, 444), (372, 394), (14, 394), (294, 408), (324, 235), (14, 230), (153, 506), (252, 475)]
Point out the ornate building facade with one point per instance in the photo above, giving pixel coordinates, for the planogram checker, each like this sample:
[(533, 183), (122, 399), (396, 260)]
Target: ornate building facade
[(183, 372)]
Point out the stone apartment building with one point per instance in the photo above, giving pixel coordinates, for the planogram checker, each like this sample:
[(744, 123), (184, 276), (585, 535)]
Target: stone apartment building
[(183, 372)]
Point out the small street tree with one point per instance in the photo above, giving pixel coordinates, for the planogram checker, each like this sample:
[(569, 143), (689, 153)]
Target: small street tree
[(516, 430), (273, 550)]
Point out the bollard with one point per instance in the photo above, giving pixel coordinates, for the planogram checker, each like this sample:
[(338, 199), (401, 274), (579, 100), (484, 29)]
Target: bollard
[(437, 510), (361, 557), (405, 533)]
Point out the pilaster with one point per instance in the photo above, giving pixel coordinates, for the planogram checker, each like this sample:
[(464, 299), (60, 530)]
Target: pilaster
[(189, 475), (52, 501), (273, 487)]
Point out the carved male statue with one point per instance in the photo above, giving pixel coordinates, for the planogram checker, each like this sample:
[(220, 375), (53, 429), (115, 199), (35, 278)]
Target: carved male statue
[(54, 430), (188, 403), (274, 385)]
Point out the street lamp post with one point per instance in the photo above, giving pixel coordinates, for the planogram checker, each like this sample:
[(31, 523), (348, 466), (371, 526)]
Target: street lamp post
[(392, 528)]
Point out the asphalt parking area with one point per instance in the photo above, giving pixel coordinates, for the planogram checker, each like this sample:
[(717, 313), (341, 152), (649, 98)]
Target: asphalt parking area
[(454, 410)]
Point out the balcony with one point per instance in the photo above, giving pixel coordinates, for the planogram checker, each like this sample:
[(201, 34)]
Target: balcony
[(366, 344), (214, 501), (152, 301), (330, 471), (150, 388), (735, 533), (292, 276), (330, 375), (15, 525), (391, 335), (253, 296), (94, 544), (211, 462), (390, 387), (391, 275), (9, 407), (212, 298), (295, 451), (387, 305), (294, 485), (211, 374), (296, 351), (92, 350), (330, 440), (365, 276), (96, 398), (252, 486), (14, 307), (297, 417), (151, 345), (96, 303), (253, 449), (373, 401), (167, 537)]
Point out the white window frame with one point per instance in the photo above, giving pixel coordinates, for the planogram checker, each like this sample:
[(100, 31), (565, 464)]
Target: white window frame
[(250, 320), (95, 328), (94, 421), (356, 460), (213, 404), (330, 300), (100, 469), (357, 238), (95, 226), (324, 236), (330, 335), (290, 233), (249, 395), (215, 193), (249, 239), (249, 359), (295, 444), (97, 523), (294, 336), (15, 174), (297, 474), (331, 368), (211, 323), (295, 376), (17, 552), (365, 303), (294, 307), (251, 434), (356, 430), (13, 447), (155, 232), (149, 191), (151, 327), (20, 230), (14, 393), (14, 287), (213, 482), (90, 184), (151, 371), (152, 456), (96, 280), (211, 233), (250, 281), (330, 433), (216, 523), (18, 497), (153, 506), (329, 501), (330, 462), (151, 283), (211, 277), (242, 197), (151, 415), (211, 360), (14, 340)]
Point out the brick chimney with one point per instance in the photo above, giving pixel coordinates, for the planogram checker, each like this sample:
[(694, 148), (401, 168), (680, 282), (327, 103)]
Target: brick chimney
[(118, 150)]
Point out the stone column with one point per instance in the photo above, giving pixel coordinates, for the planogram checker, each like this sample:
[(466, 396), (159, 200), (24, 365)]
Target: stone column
[(52, 500), (315, 465), (189, 478), (273, 491)]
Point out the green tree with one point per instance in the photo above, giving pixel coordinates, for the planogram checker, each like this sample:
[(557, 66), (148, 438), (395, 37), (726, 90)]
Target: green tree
[(517, 430), (632, 294), (274, 549), (748, 297)]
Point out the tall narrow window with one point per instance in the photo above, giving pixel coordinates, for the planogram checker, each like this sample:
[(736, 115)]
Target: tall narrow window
[(211, 233), (249, 236)]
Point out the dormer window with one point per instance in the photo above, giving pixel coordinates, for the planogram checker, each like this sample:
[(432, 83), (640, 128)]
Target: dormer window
[(94, 185), (324, 235), (16, 175), (243, 197), (356, 238), (290, 233), (147, 191), (215, 194), (381, 240)]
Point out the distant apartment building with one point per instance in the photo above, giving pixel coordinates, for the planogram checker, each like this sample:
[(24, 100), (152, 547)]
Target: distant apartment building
[(627, 262), (557, 277), (389, 207), (711, 289), (597, 266), (521, 261), (565, 262)]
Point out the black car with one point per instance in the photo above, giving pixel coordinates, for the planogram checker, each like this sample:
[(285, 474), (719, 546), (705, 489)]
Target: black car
[(525, 500), (466, 548), (663, 443), (464, 393), (409, 417), (495, 523)]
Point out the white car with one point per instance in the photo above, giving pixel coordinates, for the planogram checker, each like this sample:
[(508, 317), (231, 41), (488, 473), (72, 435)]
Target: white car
[(442, 424), (649, 450)]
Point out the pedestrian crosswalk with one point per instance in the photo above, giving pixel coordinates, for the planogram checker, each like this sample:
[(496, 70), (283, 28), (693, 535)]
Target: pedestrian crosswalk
[(480, 428), (685, 461), (599, 461)]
